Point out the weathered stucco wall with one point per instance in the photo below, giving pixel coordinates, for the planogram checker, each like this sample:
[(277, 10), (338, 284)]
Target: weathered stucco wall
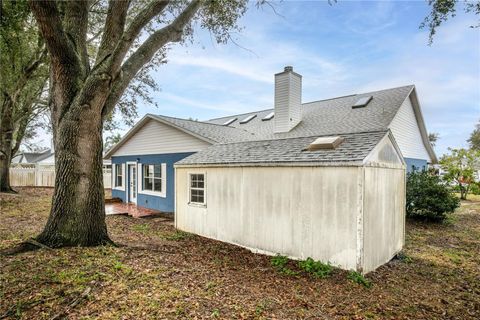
[(296, 211)]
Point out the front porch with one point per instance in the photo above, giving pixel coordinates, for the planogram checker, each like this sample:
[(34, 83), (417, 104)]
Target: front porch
[(120, 208)]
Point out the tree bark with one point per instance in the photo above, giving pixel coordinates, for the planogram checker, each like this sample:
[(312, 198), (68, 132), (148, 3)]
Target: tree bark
[(81, 98), (77, 217), (6, 135)]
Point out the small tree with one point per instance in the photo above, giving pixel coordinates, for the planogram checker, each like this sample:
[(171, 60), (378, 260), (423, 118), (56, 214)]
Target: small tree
[(433, 138), (428, 198), (460, 168), (474, 140)]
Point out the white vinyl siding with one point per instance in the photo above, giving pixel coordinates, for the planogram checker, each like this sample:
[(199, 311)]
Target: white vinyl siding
[(155, 137), (407, 134), (288, 99), (163, 180)]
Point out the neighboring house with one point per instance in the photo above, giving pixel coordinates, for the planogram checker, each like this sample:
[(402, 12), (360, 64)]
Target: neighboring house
[(259, 181), (34, 157), (46, 157)]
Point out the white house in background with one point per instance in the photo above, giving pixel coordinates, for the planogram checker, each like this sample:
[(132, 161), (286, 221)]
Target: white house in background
[(324, 179), (34, 157)]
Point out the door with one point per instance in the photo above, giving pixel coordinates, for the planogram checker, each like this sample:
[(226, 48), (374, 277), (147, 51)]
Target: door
[(132, 193)]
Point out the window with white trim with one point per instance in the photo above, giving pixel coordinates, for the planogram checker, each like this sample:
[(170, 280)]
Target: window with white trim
[(152, 177), (197, 188), (118, 175)]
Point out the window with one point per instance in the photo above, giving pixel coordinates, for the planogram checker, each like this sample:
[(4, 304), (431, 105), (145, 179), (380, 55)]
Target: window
[(362, 102), (268, 116), (118, 175), (247, 119), (152, 177), (197, 188), (228, 122)]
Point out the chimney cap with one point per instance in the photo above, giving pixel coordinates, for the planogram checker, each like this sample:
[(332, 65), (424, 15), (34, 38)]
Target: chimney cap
[(288, 68)]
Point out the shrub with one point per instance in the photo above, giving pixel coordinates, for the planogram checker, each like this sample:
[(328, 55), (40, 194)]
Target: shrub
[(317, 268), (429, 199), (280, 263), (475, 188), (359, 278)]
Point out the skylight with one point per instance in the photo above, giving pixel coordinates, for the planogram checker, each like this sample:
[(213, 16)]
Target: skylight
[(325, 143), (230, 121), (247, 119), (362, 102), (268, 116)]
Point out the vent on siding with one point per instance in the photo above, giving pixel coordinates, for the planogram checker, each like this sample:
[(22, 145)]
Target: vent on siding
[(230, 121), (362, 102), (247, 119), (268, 116), (325, 143)]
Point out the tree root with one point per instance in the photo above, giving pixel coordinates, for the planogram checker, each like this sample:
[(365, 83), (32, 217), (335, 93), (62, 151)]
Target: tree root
[(73, 304), (26, 246)]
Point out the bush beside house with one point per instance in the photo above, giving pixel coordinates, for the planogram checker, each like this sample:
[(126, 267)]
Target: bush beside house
[(428, 198)]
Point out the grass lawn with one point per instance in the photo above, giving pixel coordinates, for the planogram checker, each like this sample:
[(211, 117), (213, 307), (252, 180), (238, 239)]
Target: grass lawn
[(163, 274)]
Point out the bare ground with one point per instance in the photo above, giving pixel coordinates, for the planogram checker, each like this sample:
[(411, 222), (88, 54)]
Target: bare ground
[(163, 274)]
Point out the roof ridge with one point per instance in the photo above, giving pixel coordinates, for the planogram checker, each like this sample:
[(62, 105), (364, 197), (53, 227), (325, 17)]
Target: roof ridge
[(194, 121), (310, 136), (314, 101)]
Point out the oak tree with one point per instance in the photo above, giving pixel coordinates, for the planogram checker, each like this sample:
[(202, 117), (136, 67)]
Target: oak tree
[(85, 88), (23, 78)]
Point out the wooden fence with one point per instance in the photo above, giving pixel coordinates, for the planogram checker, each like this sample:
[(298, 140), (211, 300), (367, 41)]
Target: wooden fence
[(40, 175)]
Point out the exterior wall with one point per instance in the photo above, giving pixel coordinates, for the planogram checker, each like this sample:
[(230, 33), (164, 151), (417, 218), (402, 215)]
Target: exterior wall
[(161, 203), (407, 134), (416, 164), (155, 136), (295, 211), (383, 215)]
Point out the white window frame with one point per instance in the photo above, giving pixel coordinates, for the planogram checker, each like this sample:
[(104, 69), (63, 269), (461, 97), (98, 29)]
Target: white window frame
[(114, 176), (162, 193), (197, 204)]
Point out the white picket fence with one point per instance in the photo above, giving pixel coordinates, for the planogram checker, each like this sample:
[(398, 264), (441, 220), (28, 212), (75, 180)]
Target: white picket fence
[(41, 175)]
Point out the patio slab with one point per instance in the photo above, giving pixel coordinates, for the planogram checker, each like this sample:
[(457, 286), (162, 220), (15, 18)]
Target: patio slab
[(120, 208)]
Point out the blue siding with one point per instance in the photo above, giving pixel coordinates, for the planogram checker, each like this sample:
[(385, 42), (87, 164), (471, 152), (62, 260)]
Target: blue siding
[(415, 164), (148, 201)]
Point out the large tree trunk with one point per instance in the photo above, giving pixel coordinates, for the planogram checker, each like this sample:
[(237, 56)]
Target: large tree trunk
[(77, 217), (6, 135)]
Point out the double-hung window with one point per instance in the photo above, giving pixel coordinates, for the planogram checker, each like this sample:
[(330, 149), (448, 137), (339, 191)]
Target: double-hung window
[(118, 175), (152, 177), (197, 188)]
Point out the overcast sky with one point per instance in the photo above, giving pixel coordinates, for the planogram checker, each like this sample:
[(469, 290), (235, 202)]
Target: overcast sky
[(346, 48)]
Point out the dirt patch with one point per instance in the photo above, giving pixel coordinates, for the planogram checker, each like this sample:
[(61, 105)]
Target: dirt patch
[(159, 273)]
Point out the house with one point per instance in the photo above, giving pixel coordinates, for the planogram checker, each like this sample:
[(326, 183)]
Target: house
[(324, 179), (34, 157), (46, 157)]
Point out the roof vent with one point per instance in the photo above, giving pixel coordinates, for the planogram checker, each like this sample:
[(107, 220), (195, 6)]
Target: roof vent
[(230, 121), (362, 102), (268, 116), (247, 119), (325, 143)]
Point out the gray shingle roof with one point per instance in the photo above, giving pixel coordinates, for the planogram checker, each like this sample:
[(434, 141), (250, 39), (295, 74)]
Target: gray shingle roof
[(333, 116), (214, 132), (354, 149)]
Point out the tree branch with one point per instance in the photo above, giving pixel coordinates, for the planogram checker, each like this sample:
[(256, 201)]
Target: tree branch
[(113, 30), (171, 33), (139, 22), (76, 27), (48, 19)]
